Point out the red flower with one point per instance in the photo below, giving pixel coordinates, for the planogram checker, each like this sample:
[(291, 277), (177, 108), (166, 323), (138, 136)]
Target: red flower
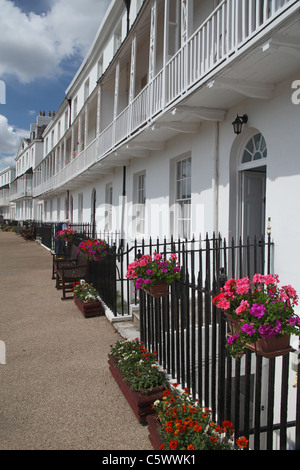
[(242, 442), (173, 444)]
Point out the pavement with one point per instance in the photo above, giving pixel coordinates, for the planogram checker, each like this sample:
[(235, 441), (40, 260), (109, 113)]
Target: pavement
[(57, 392)]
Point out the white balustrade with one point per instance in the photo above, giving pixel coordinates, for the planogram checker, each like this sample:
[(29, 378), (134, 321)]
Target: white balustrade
[(223, 33)]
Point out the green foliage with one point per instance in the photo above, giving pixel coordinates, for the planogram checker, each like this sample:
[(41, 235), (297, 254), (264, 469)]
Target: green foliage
[(138, 366)]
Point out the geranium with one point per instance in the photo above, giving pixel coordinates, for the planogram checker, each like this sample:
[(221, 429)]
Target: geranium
[(94, 250), (138, 366), (262, 308), (85, 292), (148, 270), (186, 425), (66, 235)]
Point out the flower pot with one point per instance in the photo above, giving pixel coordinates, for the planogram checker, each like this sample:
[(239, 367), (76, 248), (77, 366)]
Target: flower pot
[(90, 309), (141, 404), (160, 289), (154, 432), (266, 347)]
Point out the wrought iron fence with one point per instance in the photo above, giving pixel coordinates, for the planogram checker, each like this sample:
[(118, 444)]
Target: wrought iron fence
[(189, 335)]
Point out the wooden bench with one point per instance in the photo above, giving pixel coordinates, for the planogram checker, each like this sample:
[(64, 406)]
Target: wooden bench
[(66, 276), (63, 260), (29, 234), (69, 271)]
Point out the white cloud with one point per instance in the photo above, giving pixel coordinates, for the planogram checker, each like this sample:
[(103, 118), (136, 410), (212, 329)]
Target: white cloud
[(9, 141), (33, 46)]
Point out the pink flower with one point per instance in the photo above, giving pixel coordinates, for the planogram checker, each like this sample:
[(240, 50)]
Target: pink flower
[(243, 286), (257, 310), (271, 279), (143, 262), (248, 329), (233, 338), (268, 331), (242, 307), (294, 321), (224, 304)]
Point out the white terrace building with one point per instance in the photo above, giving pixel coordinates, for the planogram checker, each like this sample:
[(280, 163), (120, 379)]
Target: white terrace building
[(6, 177), (144, 144), (30, 154)]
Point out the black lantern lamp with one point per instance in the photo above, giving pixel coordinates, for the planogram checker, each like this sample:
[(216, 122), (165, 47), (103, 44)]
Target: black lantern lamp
[(238, 123)]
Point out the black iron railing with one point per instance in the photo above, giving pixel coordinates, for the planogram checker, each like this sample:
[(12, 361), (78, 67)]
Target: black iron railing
[(189, 334)]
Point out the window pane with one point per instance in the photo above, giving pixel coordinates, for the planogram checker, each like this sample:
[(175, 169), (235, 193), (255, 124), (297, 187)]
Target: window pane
[(247, 157), (257, 139)]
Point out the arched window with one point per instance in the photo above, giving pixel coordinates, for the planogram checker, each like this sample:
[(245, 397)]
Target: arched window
[(255, 150)]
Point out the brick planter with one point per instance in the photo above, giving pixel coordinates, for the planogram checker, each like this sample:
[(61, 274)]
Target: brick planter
[(141, 404), (90, 309), (154, 434)]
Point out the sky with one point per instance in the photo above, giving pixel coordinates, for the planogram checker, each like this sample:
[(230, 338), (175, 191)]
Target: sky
[(42, 44)]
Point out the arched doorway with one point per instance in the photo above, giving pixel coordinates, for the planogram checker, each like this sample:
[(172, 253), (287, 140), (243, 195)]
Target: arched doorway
[(247, 199)]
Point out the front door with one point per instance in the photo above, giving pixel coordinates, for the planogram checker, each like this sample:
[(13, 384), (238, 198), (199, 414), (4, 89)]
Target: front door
[(253, 218), (253, 203)]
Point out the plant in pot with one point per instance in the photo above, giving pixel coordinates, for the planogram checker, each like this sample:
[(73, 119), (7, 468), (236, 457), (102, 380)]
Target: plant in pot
[(66, 235), (154, 273), (94, 250), (136, 371), (183, 424), (260, 315), (87, 300)]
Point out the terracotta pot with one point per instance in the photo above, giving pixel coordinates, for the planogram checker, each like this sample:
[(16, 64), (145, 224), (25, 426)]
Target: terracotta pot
[(90, 309), (154, 434), (160, 289), (141, 404), (266, 347)]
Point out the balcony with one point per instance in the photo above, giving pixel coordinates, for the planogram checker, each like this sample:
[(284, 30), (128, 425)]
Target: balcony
[(234, 27)]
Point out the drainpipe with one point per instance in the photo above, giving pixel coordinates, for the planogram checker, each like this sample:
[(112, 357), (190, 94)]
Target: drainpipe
[(127, 3), (123, 208), (70, 108), (67, 204), (216, 178)]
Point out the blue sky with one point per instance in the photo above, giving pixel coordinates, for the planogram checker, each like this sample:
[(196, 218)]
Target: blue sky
[(42, 44)]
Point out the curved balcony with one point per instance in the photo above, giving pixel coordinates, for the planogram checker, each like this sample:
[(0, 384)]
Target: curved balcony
[(223, 37)]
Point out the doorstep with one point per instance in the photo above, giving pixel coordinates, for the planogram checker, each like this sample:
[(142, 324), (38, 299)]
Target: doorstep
[(127, 329)]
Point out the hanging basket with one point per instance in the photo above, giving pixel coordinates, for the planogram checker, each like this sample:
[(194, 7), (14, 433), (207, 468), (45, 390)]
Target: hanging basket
[(266, 347), (160, 289)]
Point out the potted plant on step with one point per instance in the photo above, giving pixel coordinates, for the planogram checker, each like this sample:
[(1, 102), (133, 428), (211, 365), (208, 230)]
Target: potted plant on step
[(87, 300), (154, 274), (137, 374), (181, 423), (260, 315)]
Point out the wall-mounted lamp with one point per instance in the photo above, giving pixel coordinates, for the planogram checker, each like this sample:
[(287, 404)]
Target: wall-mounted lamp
[(238, 123)]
